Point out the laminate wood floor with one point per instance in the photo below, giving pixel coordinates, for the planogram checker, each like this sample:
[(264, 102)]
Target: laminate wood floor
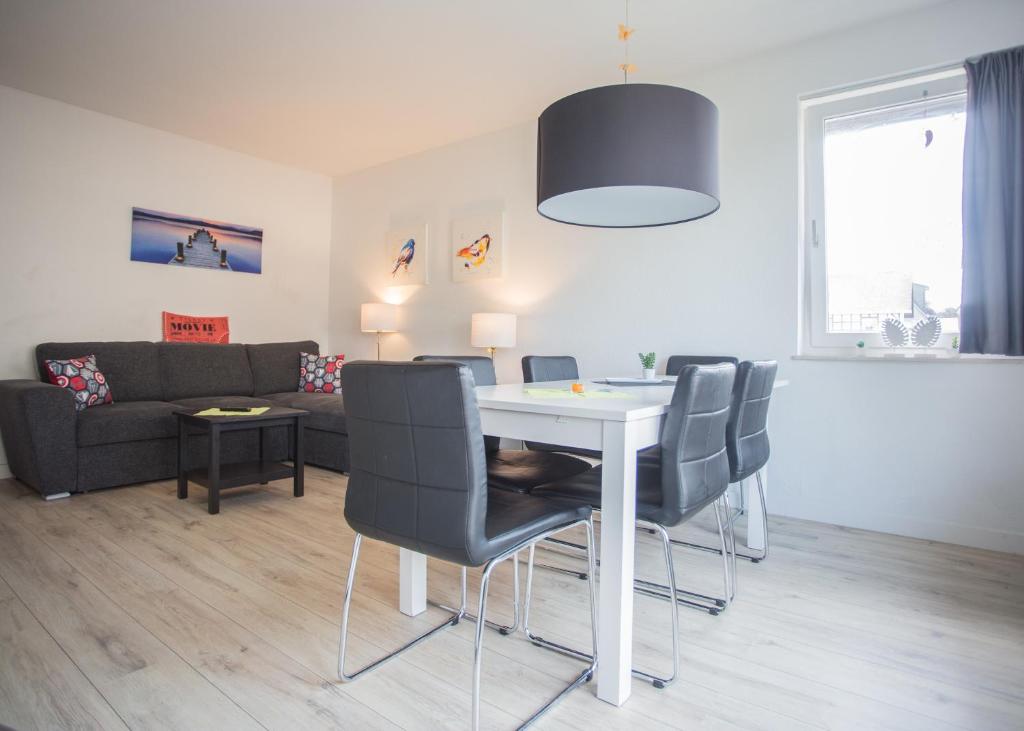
[(128, 608)]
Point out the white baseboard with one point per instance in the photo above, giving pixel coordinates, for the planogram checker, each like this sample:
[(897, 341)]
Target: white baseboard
[(992, 539)]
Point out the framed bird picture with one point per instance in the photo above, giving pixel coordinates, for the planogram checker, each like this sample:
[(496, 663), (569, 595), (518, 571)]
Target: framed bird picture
[(405, 251), (478, 247)]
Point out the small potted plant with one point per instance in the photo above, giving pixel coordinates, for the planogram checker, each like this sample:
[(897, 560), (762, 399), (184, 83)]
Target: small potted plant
[(647, 361)]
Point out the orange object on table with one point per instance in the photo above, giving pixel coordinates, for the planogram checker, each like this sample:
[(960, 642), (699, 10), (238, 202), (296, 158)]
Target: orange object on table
[(577, 388)]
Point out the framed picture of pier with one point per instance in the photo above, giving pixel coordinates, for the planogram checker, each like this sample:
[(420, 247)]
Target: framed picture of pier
[(478, 247), (189, 241), (405, 255)]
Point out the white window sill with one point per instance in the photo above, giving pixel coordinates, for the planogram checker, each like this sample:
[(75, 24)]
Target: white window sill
[(885, 357)]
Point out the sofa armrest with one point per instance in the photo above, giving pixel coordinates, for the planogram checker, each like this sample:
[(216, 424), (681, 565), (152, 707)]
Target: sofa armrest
[(38, 426)]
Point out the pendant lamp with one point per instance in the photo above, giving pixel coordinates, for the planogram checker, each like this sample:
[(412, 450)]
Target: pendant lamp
[(628, 155)]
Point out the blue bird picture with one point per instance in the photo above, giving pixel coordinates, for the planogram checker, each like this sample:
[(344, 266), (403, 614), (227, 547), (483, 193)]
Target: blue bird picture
[(404, 258)]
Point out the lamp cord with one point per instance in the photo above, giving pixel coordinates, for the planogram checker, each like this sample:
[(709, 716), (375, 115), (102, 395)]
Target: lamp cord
[(624, 33)]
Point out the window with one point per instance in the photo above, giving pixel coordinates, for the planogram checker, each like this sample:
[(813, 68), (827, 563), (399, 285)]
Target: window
[(882, 184)]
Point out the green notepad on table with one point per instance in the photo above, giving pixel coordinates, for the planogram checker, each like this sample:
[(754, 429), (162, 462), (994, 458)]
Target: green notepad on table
[(566, 393), (254, 411)]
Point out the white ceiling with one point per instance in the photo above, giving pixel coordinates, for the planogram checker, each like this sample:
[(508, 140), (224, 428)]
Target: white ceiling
[(338, 85)]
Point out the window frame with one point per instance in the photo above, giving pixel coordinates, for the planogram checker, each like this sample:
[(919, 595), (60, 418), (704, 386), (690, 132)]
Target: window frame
[(814, 110)]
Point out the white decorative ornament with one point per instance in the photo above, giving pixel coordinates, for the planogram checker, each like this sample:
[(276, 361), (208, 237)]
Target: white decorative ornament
[(894, 333), (926, 331)]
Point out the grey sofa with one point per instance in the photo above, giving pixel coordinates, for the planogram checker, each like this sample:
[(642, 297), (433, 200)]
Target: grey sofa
[(55, 449)]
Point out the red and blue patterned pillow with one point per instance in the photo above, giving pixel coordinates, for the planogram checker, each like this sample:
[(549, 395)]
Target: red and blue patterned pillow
[(320, 373), (85, 381)]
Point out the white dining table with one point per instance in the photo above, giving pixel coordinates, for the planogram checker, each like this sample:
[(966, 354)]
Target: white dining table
[(618, 427)]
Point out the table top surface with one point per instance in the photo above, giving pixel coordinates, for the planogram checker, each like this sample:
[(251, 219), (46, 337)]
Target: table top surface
[(274, 412), (641, 402)]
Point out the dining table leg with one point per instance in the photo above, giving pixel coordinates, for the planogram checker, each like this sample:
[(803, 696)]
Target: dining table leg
[(412, 582), (621, 439)]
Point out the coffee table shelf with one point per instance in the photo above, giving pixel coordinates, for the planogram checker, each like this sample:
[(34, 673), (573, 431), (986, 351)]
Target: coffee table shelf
[(244, 473)]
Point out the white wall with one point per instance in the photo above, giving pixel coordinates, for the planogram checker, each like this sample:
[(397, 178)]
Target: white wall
[(929, 450), (68, 181)]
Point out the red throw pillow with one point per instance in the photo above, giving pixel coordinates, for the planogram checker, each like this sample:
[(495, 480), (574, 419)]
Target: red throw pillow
[(320, 373), (85, 381)]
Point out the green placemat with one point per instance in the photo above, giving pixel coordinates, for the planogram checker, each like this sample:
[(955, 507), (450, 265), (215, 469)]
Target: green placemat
[(254, 411), (566, 393)]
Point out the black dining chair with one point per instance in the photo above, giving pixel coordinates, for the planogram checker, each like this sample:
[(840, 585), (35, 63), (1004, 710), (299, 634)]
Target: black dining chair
[(689, 472), (746, 438), (516, 470), (418, 480), (676, 363), (541, 368)]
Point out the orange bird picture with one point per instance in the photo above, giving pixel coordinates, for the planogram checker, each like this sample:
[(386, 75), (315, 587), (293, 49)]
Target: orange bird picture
[(476, 253)]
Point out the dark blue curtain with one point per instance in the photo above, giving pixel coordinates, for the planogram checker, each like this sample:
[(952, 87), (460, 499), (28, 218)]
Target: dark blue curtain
[(992, 310)]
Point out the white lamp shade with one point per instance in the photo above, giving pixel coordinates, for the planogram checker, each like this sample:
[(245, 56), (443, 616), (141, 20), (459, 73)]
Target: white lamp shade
[(493, 330), (378, 317)]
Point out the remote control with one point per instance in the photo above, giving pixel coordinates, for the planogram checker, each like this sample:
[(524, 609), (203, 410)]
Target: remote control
[(236, 409)]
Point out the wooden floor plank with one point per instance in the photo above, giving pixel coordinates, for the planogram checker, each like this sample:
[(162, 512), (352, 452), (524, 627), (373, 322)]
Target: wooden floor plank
[(40, 686)]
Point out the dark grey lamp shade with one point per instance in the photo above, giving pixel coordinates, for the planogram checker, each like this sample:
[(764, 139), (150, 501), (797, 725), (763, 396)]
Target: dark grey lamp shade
[(627, 156)]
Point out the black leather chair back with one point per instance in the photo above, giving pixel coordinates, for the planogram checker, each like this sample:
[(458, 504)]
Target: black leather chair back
[(694, 463), (419, 474), (676, 363), (747, 430), (538, 368), (483, 375)]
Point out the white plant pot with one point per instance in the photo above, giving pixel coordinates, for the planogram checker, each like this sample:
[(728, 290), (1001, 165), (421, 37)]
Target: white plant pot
[(649, 374)]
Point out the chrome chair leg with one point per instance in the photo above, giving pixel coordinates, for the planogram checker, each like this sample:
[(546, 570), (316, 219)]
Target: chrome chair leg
[(478, 645), (753, 558), (657, 681), (764, 519), (695, 600), (732, 546), (346, 605), (505, 629), (710, 604), (726, 561), (584, 677)]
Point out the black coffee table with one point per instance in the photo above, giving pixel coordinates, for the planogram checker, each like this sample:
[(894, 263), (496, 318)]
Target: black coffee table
[(220, 476)]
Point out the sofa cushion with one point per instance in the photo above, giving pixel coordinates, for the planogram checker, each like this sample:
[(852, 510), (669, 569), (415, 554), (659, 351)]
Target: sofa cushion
[(190, 370), (132, 369), (127, 421), (320, 373), (275, 366), (326, 410), (199, 403), (85, 381)]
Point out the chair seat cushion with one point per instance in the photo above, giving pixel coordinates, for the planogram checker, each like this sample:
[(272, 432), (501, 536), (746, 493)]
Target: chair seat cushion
[(586, 489), (513, 518), (127, 421), (523, 470), (326, 410)]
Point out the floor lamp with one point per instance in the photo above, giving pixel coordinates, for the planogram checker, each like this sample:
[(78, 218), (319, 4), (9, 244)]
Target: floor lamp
[(378, 317), (493, 330)]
